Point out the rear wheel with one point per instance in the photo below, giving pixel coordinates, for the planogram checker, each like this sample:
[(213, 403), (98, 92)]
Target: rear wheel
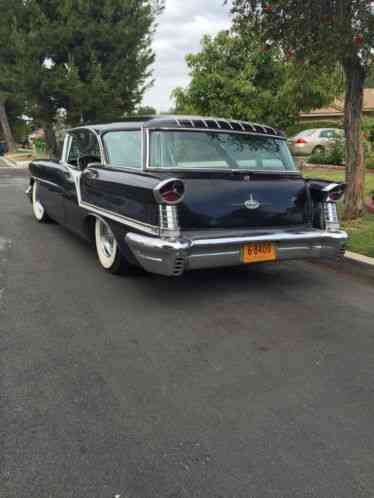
[(319, 150), (39, 212), (108, 253)]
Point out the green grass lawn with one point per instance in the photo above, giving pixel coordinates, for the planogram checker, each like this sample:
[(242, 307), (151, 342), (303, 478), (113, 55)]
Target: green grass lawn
[(361, 232)]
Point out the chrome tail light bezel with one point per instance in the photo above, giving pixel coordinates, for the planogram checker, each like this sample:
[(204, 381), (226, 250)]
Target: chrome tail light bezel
[(173, 184)]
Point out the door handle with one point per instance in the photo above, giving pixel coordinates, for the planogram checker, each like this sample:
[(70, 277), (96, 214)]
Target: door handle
[(91, 174)]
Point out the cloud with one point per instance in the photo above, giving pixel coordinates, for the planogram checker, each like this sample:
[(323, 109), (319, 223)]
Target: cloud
[(181, 27)]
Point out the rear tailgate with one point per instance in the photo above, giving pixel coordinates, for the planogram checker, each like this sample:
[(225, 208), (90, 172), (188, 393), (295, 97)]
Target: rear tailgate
[(233, 202)]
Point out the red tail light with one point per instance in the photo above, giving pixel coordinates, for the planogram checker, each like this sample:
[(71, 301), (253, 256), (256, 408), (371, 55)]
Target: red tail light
[(301, 141), (170, 191)]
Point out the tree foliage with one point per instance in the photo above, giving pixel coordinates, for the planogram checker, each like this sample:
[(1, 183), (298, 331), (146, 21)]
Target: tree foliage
[(10, 102), (90, 58), (236, 76), (322, 33)]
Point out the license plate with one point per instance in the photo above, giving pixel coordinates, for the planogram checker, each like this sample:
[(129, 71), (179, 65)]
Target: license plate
[(256, 253)]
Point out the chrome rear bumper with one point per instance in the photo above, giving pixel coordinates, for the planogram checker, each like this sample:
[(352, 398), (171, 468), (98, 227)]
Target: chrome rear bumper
[(173, 257)]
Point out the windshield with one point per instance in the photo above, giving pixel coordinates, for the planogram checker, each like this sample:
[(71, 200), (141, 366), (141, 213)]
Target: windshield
[(217, 150)]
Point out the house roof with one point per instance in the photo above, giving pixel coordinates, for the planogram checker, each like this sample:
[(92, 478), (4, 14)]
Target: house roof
[(337, 108)]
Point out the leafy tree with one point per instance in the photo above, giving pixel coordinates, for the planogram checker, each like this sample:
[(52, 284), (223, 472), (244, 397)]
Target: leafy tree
[(7, 57), (323, 33), (236, 76), (4, 123), (145, 111), (90, 58), (369, 82)]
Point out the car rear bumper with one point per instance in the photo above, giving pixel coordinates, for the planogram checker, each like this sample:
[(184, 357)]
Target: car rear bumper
[(173, 257)]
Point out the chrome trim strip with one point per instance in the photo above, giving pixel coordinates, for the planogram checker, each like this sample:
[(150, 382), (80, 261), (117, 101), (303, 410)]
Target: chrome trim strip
[(330, 187), (98, 137), (220, 130), (227, 170), (272, 237), (66, 148), (208, 254), (45, 181), (124, 220), (148, 156)]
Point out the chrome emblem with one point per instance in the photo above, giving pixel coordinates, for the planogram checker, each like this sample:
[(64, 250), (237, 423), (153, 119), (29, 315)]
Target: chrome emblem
[(252, 203)]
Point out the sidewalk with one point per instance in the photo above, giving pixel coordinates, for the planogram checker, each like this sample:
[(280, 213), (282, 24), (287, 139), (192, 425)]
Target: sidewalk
[(14, 163)]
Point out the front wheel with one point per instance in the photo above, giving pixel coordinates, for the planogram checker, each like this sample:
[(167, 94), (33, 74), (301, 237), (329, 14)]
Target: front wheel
[(39, 212), (108, 253)]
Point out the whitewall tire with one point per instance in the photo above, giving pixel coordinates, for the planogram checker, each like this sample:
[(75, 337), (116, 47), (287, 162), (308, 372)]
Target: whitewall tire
[(107, 249), (38, 209)]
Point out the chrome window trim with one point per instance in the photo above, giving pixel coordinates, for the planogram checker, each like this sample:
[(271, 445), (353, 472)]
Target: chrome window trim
[(220, 130), (66, 148), (69, 139), (109, 164)]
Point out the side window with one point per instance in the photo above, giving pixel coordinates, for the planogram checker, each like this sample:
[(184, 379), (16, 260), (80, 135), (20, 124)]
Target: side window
[(124, 148), (84, 149), (328, 134)]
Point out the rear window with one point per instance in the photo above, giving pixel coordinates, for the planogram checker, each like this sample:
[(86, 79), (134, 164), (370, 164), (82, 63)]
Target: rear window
[(305, 133), (218, 150)]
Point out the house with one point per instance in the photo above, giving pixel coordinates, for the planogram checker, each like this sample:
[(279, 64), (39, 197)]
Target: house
[(335, 112)]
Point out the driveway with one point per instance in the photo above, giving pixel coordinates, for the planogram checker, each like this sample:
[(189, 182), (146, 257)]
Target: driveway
[(254, 382)]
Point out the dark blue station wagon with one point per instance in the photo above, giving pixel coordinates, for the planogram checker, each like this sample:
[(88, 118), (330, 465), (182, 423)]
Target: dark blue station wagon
[(172, 194)]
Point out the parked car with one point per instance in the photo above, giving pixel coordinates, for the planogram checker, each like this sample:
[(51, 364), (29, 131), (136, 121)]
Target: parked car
[(314, 141), (171, 194)]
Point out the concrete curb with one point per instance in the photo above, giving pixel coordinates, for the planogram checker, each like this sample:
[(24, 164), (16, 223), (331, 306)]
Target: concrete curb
[(11, 163), (353, 264)]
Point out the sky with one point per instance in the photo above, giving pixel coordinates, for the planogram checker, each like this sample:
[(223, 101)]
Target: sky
[(180, 29)]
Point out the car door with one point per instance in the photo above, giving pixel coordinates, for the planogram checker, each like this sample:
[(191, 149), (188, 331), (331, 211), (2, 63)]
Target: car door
[(83, 149), (51, 188)]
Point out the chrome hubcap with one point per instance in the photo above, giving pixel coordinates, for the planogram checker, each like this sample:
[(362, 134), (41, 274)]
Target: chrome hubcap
[(38, 207), (107, 239)]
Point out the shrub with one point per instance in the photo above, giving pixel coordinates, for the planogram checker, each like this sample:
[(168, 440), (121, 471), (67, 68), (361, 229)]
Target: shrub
[(40, 146), (334, 156), (317, 158), (370, 164)]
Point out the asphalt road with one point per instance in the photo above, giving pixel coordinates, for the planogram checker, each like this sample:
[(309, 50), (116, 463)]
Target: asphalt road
[(239, 383)]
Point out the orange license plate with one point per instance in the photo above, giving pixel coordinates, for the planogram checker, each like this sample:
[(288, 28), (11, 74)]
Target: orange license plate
[(256, 253)]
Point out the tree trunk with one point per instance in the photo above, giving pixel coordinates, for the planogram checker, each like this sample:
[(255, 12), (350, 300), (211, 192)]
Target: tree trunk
[(51, 141), (355, 157), (11, 144)]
